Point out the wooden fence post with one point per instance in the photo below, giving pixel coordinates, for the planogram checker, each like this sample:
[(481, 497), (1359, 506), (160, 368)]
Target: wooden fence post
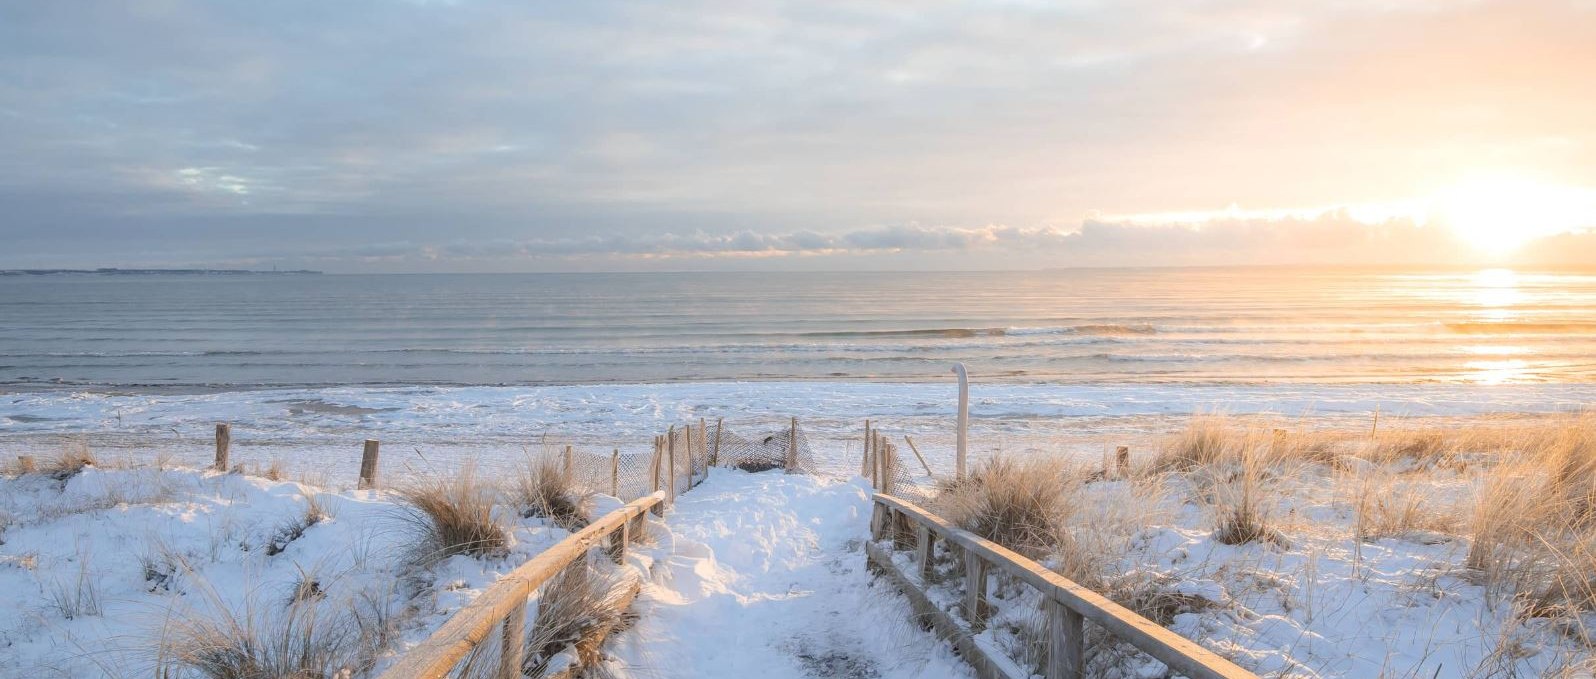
[(615, 473), (1122, 461), (670, 462), (864, 453), (1066, 642), (512, 642), (892, 463), (792, 447), (687, 442), (714, 453), (703, 445), (924, 552), (974, 590), (570, 464), (368, 465), (875, 462), (654, 466), (224, 441)]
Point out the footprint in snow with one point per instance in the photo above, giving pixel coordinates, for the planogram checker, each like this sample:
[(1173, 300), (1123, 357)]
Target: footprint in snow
[(831, 662)]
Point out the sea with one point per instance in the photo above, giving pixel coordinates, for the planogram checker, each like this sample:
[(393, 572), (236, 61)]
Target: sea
[(483, 362)]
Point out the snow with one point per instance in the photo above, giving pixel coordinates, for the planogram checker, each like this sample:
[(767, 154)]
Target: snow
[(764, 575), (93, 568), (751, 574)]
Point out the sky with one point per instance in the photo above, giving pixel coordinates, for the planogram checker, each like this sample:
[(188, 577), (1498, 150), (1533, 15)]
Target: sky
[(516, 135)]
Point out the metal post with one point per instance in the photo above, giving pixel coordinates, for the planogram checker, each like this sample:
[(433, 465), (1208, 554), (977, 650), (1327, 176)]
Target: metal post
[(964, 420)]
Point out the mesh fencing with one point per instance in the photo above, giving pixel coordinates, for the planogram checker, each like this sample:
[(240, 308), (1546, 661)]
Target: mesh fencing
[(681, 457)]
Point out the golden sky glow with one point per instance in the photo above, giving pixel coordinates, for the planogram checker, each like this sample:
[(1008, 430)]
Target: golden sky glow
[(1499, 214), (503, 135)]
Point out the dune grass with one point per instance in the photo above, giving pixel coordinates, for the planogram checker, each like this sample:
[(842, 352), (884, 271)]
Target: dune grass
[(543, 489), (1517, 499), (1022, 504), (301, 639), (452, 515)]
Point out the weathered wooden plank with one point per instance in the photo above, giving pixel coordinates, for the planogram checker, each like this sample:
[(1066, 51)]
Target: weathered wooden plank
[(942, 624), (1181, 654), (1066, 643), (923, 551), (512, 642), (476, 621), (975, 590)]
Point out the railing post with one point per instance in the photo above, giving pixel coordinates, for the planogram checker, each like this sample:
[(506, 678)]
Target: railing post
[(224, 441), (618, 540), (974, 590), (1066, 642), (570, 463), (615, 473), (924, 550), (878, 520), (512, 642), (368, 465)]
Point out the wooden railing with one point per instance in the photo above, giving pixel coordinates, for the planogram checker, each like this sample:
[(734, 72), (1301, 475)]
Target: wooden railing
[(503, 607), (1067, 604)]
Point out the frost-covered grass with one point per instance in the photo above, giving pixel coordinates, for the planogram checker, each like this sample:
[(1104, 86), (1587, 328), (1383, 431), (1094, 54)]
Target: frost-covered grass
[(1408, 553), (148, 570)]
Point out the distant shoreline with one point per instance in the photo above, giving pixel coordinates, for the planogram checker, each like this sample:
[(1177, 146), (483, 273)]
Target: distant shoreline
[(154, 272)]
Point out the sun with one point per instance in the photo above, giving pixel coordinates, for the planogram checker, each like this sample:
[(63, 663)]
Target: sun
[(1498, 215)]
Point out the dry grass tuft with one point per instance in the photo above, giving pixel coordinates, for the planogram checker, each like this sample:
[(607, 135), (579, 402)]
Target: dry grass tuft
[(1233, 472), (1387, 506), (300, 641), (79, 597), (295, 528), (71, 462), (452, 516), (1534, 532), (1020, 504), (274, 471), (577, 608), (1206, 440), (544, 490), (1241, 500)]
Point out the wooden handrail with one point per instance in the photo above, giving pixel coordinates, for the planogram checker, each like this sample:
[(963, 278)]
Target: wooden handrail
[(1071, 601), (503, 606)]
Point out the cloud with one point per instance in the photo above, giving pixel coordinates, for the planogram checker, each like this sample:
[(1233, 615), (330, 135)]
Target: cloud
[(1331, 237), (226, 130)]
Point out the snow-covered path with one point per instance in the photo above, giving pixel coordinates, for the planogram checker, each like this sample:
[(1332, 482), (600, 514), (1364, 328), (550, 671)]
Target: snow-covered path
[(763, 575)]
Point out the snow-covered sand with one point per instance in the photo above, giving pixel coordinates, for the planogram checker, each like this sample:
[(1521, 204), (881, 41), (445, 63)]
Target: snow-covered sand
[(94, 570), (436, 428), (755, 574)]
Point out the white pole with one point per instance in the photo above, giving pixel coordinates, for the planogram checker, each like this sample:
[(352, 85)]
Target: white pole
[(964, 419)]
